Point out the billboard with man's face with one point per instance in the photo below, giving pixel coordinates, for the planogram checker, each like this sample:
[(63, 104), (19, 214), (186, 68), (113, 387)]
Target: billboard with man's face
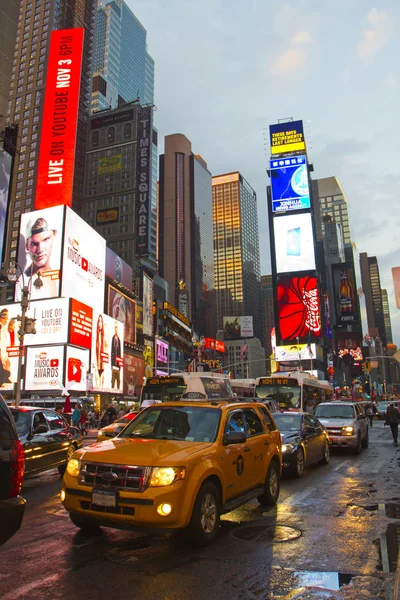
[(118, 270), (39, 251)]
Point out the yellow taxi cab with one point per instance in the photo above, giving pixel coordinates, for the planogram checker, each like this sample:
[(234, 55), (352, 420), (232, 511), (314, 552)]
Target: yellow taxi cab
[(177, 465), (110, 431)]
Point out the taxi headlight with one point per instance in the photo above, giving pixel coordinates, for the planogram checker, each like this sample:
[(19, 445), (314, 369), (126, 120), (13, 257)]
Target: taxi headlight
[(100, 432), (74, 467), (347, 430), (161, 476), (287, 448)]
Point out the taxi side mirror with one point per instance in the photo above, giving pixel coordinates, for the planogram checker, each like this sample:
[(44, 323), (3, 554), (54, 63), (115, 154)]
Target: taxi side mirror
[(234, 437)]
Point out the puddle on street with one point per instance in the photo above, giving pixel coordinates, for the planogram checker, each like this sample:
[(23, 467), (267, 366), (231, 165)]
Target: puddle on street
[(284, 582), (328, 581)]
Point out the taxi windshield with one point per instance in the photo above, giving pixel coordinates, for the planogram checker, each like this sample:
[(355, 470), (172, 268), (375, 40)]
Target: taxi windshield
[(186, 423)]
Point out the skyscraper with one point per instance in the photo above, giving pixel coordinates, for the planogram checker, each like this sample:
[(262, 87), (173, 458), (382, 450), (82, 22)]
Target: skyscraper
[(236, 250), (28, 81), (186, 256), (8, 33), (332, 201), (122, 68), (373, 296), (386, 317), (267, 296)]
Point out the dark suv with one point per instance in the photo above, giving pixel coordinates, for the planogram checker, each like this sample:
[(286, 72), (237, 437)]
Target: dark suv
[(12, 506)]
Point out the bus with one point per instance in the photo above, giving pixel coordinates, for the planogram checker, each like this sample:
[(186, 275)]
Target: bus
[(167, 388), (52, 402), (294, 391), (243, 388)]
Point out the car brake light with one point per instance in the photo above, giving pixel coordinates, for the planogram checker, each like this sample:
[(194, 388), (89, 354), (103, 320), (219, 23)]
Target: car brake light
[(18, 467)]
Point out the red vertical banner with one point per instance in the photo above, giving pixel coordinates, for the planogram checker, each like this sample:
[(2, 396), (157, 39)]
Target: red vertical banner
[(60, 118)]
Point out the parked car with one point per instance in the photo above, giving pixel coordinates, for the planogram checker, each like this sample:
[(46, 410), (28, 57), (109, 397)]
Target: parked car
[(382, 408), (12, 506), (110, 431), (47, 439), (346, 423), (304, 441)]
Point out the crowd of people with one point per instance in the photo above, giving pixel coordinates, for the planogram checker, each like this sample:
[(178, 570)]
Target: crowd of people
[(92, 419)]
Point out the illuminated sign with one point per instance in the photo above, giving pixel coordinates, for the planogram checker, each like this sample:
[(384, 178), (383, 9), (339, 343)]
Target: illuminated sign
[(83, 273), (174, 311), (294, 243), (161, 354), (346, 307), (77, 365), (81, 322), (277, 381), (147, 305), (183, 302), (148, 357), (44, 368), (133, 374), (287, 138), (40, 250), (143, 199), (118, 270), (107, 354), (165, 381), (109, 164), (298, 308), (55, 174), (107, 215), (5, 174), (289, 184), (211, 344), (295, 352), (123, 309)]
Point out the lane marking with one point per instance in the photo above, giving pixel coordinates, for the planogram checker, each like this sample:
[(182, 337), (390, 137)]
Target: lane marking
[(34, 585)]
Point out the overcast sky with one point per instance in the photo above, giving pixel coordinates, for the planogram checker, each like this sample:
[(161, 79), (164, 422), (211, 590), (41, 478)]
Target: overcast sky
[(227, 69)]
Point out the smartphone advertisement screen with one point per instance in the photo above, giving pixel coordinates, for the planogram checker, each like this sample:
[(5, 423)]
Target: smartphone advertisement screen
[(294, 243)]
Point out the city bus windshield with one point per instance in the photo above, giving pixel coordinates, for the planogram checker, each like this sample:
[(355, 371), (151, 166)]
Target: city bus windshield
[(164, 389), (287, 397)]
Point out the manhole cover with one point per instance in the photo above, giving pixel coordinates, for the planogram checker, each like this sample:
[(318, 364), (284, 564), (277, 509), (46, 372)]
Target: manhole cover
[(268, 533)]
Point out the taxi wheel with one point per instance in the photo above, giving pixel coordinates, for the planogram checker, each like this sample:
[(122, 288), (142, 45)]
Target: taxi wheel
[(271, 486), (70, 451), (86, 525), (203, 527)]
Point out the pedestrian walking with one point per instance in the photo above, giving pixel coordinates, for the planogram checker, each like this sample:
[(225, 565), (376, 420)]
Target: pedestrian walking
[(121, 413), (370, 415), (392, 418), (83, 421), (111, 414), (76, 416)]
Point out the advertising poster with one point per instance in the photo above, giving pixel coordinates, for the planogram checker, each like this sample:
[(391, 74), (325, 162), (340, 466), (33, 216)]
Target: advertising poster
[(161, 357), (80, 324), (83, 273), (5, 174), (123, 309), (294, 243), (148, 358), (118, 270), (133, 374), (396, 283), (345, 293), (298, 308), (246, 327), (147, 305), (40, 250), (107, 354), (44, 368), (287, 138), (109, 164), (289, 184), (295, 352), (76, 369), (55, 174), (237, 327), (107, 215)]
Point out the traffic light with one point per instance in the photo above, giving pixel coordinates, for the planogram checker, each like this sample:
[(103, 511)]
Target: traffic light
[(30, 325)]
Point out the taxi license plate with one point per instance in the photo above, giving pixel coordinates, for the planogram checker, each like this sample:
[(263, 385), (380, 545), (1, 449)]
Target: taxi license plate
[(104, 498)]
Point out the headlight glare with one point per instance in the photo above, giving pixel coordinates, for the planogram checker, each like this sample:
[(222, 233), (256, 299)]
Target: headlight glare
[(162, 476), (287, 448), (74, 467), (348, 430)]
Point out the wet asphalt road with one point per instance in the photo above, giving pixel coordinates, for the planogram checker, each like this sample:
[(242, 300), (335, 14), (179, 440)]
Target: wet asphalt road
[(331, 520)]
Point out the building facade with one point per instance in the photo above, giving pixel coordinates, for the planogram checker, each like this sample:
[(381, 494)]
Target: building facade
[(8, 34), (243, 365), (267, 296), (373, 296), (25, 106), (186, 257), (236, 250), (386, 317), (332, 202), (123, 70)]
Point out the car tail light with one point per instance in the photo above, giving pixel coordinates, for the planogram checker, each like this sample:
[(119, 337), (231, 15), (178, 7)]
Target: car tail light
[(18, 466)]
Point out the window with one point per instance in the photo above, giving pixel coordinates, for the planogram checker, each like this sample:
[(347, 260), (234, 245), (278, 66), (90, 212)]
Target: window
[(55, 421), (127, 131), (253, 422), (266, 417), (235, 422), (111, 135), (95, 139)]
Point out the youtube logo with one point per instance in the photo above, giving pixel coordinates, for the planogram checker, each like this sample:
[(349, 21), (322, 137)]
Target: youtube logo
[(54, 362), (85, 264), (74, 370)]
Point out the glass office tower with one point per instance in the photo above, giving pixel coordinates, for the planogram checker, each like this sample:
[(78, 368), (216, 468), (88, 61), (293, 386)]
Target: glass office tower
[(122, 68), (236, 250)]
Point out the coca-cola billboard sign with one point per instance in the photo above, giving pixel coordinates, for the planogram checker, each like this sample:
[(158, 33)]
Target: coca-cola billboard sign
[(298, 307)]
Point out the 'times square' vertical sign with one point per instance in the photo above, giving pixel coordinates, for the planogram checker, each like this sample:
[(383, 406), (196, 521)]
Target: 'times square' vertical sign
[(143, 201), (60, 117)]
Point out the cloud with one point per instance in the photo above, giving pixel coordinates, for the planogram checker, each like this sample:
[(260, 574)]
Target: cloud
[(377, 35), (294, 56), (391, 80)]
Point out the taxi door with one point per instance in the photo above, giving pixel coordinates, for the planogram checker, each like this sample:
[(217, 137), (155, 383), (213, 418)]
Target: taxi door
[(234, 459), (256, 448)]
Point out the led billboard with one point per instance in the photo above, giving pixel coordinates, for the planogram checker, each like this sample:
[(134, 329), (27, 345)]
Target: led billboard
[(147, 305), (107, 354), (287, 138), (161, 357), (133, 374), (118, 270), (294, 243), (345, 293), (44, 368), (77, 366), (83, 273), (59, 121), (39, 250), (298, 308), (5, 174), (123, 309), (289, 184), (80, 324), (295, 352)]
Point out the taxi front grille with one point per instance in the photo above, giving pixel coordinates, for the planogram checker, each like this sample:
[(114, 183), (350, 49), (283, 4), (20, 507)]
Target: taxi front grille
[(122, 477), (335, 431)]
